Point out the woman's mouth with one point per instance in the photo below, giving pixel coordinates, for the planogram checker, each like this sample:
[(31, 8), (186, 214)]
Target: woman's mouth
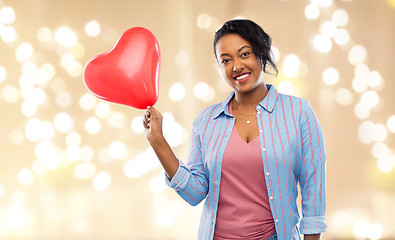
[(242, 77)]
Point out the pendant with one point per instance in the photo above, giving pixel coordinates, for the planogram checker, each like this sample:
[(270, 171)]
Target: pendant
[(248, 121)]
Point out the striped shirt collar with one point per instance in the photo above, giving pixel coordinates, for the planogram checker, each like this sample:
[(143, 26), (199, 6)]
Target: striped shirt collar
[(267, 103)]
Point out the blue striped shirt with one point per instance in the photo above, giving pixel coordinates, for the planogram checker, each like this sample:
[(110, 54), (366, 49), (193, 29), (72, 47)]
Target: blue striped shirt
[(293, 152)]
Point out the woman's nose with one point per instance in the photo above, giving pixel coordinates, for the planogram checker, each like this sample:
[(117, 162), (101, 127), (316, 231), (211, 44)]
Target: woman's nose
[(237, 66)]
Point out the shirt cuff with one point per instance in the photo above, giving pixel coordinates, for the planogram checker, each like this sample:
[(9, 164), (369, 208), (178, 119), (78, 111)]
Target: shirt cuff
[(180, 178), (313, 225)]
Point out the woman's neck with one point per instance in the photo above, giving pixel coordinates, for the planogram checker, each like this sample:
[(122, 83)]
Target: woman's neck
[(253, 98)]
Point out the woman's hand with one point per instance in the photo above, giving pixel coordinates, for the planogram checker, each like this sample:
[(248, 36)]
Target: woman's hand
[(153, 131), (153, 125)]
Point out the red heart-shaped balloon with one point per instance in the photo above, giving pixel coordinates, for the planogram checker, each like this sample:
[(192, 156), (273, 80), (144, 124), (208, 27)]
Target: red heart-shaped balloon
[(129, 73)]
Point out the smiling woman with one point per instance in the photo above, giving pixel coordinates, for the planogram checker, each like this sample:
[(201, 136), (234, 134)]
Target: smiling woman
[(251, 151)]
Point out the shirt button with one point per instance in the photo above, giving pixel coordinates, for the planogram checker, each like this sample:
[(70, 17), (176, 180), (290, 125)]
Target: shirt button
[(271, 197), (258, 113), (276, 220), (267, 173), (264, 149)]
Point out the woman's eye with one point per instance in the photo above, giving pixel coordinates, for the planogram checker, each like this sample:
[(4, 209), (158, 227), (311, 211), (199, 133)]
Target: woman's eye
[(245, 54), (224, 61)]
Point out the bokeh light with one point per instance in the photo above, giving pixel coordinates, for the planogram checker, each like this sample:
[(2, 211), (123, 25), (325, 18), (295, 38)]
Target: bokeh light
[(312, 11), (330, 76), (101, 181), (92, 28), (7, 15), (66, 37), (177, 92), (322, 43)]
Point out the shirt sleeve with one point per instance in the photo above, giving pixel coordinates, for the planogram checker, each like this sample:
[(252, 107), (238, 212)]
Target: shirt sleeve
[(190, 180), (312, 173)]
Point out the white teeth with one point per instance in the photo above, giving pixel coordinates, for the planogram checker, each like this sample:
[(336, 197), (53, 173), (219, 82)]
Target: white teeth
[(242, 76)]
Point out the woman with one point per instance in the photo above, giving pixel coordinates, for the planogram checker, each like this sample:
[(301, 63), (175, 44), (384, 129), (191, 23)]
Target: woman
[(249, 152)]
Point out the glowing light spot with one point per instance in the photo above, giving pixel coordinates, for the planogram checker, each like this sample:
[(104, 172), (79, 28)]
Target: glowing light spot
[(366, 132), (87, 102), (361, 111), (322, 43), (78, 51), (391, 3), (63, 122), (117, 120), (117, 150), (32, 129), (73, 153), (10, 94), (374, 79), (74, 69), (391, 124), (84, 170), (16, 137), (44, 35), (45, 73), (66, 60), (177, 92), (328, 29), (344, 96), (35, 96), (101, 181), (340, 17), (360, 83), (24, 52), (73, 138), (8, 34), (15, 215), (87, 153), (312, 11), (165, 218), (330, 76), (47, 130), (7, 15), (375, 231), (204, 21), (182, 58), (361, 70), (63, 99), (370, 99), (288, 88), (66, 37), (360, 229), (157, 185), (357, 55), (160, 201), (386, 164), (92, 28), (142, 164), (29, 109), (48, 154), (380, 150), (342, 37), (137, 125), (102, 110), (291, 65), (380, 133), (203, 92), (92, 125), (25, 176), (3, 74)]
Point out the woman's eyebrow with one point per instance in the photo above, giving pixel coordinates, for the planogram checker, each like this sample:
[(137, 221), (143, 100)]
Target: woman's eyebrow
[(240, 49)]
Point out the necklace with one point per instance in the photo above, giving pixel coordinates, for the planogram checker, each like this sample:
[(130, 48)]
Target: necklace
[(248, 121)]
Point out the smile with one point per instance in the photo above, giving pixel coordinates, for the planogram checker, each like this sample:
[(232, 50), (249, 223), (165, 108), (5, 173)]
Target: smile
[(243, 77)]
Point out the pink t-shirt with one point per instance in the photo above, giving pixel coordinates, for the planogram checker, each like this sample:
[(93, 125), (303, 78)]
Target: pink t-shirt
[(243, 206)]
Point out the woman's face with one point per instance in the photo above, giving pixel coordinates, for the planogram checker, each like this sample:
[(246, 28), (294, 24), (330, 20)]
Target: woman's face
[(238, 63)]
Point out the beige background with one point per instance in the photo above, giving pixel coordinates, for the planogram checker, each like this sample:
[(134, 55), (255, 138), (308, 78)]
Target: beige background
[(42, 195)]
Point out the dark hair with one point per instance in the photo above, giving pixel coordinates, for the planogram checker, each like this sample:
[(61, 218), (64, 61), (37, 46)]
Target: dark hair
[(260, 41)]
